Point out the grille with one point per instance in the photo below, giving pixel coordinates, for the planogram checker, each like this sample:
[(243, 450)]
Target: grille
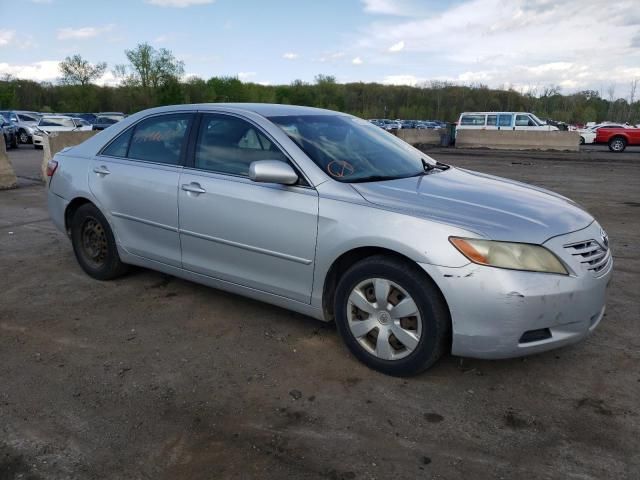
[(591, 254)]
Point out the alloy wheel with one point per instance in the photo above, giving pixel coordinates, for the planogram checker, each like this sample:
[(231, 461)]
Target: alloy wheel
[(617, 145), (384, 319)]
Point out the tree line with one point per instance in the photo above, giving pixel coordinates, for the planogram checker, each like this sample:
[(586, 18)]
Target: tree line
[(154, 77)]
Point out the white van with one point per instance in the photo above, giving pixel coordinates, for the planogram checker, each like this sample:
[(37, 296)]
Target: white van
[(502, 121)]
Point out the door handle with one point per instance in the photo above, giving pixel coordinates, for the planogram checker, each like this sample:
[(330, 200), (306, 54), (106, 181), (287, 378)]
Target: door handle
[(193, 187), (101, 170)]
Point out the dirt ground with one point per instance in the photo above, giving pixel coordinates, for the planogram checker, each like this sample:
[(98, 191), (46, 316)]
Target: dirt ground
[(152, 377)]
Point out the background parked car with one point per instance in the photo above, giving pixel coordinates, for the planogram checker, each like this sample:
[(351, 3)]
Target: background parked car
[(103, 122), (24, 122), (618, 138), (61, 123), (10, 132), (588, 135), (502, 121)]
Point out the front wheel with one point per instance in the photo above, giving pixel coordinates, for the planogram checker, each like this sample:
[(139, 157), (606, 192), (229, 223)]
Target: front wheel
[(23, 137), (391, 316), (582, 141), (617, 144), (94, 244)]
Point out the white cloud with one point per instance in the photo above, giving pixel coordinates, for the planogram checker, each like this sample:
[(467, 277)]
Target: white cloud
[(516, 42), (411, 80), (290, 55), (245, 76), (397, 47), (178, 3), (46, 70), (357, 61), (384, 7), (6, 36), (84, 32)]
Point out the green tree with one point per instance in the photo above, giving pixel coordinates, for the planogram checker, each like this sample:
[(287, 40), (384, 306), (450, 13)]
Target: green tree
[(76, 70), (152, 68)]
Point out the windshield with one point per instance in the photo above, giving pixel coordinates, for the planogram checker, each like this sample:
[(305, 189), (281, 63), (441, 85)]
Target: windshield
[(350, 149), (536, 119)]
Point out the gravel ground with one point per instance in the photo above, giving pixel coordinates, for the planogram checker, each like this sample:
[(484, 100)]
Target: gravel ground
[(152, 377)]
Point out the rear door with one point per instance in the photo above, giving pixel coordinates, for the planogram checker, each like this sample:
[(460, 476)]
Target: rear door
[(258, 235), (505, 121), (135, 181)]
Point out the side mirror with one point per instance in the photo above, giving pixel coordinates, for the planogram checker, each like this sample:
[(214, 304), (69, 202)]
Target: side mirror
[(272, 171)]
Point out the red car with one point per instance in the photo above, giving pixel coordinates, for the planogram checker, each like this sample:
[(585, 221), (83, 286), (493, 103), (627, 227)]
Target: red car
[(618, 138)]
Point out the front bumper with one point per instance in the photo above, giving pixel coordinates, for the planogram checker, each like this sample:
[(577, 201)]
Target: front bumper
[(492, 308)]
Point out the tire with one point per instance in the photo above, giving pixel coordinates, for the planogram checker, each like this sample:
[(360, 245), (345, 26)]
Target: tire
[(582, 141), (38, 147), (94, 244), (617, 144), (23, 137), (428, 329)]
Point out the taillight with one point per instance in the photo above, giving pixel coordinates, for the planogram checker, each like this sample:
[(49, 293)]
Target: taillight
[(52, 166)]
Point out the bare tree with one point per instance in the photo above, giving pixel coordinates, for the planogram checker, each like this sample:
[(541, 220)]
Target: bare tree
[(76, 70), (632, 97)]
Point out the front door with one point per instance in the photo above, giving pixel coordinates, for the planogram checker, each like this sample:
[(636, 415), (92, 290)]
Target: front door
[(135, 181), (258, 235)]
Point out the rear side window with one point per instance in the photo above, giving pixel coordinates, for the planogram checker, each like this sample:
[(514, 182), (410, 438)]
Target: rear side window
[(118, 148), (229, 145), (159, 139), (492, 120), (504, 120), (477, 120)]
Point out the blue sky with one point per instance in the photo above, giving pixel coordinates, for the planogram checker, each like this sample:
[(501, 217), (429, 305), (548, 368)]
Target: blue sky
[(527, 44)]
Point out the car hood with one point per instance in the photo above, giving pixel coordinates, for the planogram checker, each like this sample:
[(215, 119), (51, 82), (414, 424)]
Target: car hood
[(495, 207)]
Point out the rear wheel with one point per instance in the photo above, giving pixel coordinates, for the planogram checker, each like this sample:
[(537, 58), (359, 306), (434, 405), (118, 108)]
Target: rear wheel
[(617, 144), (391, 316), (94, 244)]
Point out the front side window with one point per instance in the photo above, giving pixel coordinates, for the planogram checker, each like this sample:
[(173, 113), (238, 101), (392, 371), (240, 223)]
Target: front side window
[(229, 145), (159, 139), (350, 149), (524, 121)]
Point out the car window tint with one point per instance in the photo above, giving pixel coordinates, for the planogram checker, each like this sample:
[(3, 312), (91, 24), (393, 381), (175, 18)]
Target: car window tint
[(229, 144), (504, 120), (118, 148), (477, 120), (159, 139)]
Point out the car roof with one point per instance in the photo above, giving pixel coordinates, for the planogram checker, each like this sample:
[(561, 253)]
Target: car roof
[(263, 109)]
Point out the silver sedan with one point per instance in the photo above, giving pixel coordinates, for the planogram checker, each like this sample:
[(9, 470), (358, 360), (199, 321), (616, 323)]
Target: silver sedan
[(323, 213)]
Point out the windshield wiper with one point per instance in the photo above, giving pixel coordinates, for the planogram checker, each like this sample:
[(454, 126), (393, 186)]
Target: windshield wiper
[(376, 178)]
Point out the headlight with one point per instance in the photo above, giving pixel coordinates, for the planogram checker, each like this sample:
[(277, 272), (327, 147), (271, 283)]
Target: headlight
[(515, 256)]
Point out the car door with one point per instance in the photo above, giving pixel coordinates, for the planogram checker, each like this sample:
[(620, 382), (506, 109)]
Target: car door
[(258, 235), (505, 121), (525, 122), (135, 180)]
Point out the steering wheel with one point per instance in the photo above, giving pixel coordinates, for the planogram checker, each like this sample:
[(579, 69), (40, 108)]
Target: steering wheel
[(340, 168)]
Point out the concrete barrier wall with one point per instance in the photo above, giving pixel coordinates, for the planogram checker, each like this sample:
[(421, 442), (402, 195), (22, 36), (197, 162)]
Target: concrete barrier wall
[(59, 140), (7, 175), (518, 140), (414, 136)]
